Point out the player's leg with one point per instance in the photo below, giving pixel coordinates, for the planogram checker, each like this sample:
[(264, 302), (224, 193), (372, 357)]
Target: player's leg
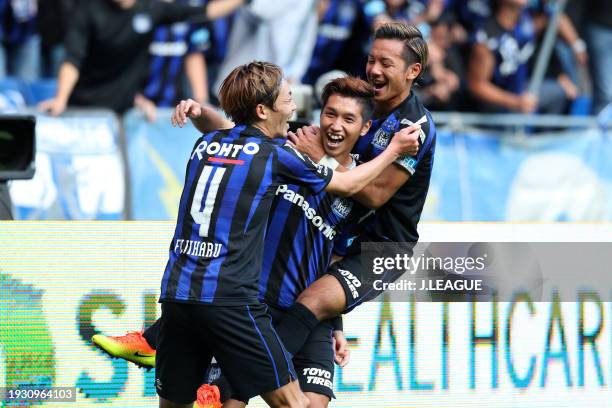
[(150, 334), (288, 396), (182, 356), (136, 346), (232, 403), (314, 365), (339, 291), (164, 403), (252, 356), (317, 400)]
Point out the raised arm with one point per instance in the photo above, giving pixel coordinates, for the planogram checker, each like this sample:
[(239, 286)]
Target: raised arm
[(204, 117), (347, 183)]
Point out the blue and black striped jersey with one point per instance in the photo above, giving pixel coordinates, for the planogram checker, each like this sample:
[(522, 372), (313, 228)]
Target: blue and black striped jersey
[(397, 220), (171, 45), (230, 183), (298, 247), (335, 29)]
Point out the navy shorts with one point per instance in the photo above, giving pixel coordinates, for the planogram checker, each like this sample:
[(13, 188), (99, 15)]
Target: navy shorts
[(241, 338), (314, 363)]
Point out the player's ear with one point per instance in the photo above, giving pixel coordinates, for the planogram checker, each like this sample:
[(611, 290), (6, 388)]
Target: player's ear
[(413, 71), (366, 128), (261, 112)]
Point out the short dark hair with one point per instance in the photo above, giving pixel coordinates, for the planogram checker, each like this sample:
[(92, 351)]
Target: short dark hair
[(415, 47), (246, 87), (352, 87)]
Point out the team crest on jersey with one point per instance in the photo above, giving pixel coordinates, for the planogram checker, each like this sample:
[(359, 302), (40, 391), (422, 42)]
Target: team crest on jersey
[(341, 207), (381, 139), (383, 134)]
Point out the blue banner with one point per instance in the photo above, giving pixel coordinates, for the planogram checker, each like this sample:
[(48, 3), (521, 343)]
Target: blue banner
[(559, 177), (565, 176), (157, 155)]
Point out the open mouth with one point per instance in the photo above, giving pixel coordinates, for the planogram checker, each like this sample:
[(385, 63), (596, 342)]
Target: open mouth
[(379, 85), (334, 139)]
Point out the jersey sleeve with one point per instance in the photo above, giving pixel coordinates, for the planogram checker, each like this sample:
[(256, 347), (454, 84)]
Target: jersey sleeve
[(77, 35), (426, 136), (297, 168)]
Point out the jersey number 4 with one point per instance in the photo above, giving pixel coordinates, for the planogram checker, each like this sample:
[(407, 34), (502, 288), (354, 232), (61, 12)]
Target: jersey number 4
[(210, 185)]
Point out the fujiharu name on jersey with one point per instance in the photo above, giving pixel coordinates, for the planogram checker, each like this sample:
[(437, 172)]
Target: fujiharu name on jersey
[(197, 248), (311, 214)]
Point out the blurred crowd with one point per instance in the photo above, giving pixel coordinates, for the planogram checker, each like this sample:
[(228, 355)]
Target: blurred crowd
[(150, 53)]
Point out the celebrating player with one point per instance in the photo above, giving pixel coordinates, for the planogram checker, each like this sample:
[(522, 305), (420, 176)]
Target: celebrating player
[(209, 292), (396, 60)]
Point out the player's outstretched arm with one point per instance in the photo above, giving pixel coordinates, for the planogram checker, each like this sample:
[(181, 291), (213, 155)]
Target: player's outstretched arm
[(204, 117), (352, 181)]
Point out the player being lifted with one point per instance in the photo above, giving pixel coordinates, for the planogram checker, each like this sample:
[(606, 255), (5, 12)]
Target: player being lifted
[(397, 58), (209, 292)]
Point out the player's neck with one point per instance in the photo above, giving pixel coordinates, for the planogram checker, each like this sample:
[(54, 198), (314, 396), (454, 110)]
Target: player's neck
[(264, 129), (345, 160), (384, 108)]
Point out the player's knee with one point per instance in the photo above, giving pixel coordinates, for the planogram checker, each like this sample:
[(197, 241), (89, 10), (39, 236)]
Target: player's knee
[(325, 298), (318, 402)]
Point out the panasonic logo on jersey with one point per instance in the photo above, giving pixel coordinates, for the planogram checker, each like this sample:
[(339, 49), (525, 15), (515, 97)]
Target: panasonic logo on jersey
[(311, 214), (229, 150)]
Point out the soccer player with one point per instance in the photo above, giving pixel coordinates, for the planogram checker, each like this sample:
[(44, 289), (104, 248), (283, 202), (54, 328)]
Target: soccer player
[(209, 291), (396, 60), (301, 231)]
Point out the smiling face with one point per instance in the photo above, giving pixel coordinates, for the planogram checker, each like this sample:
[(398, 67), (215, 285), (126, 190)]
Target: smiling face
[(341, 125), (277, 117), (389, 73)]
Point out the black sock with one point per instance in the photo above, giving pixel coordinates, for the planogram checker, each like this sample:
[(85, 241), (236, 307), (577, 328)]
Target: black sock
[(295, 327), (150, 334)]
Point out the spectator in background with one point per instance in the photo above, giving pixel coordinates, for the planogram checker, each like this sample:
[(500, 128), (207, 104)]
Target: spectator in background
[(215, 54), (107, 49), (599, 38), (53, 18), (281, 32), (499, 64), (415, 12), (442, 79), (20, 42), (177, 51), (336, 21)]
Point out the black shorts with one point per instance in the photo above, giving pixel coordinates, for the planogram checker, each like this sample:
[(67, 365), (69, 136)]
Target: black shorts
[(358, 281), (314, 363), (241, 338)]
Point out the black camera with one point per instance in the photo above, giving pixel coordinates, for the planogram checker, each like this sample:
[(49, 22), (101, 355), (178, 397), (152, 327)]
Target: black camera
[(17, 146)]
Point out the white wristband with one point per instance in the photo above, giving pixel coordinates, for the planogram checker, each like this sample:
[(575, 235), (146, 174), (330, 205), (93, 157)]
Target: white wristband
[(579, 46), (329, 162)]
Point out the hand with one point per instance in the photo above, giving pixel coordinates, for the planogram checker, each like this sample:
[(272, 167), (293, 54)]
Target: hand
[(147, 107), (185, 109), (342, 354), (54, 106), (527, 103), (307, 140), (406, 141), (571, 90)]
